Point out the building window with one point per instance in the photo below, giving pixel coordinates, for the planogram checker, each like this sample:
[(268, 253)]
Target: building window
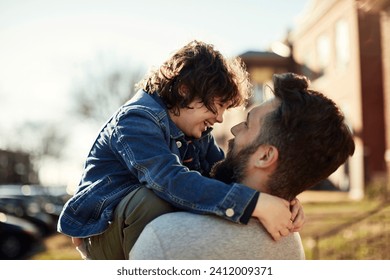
[(258, 94), (308, 67), (342, 43), (323, 52)]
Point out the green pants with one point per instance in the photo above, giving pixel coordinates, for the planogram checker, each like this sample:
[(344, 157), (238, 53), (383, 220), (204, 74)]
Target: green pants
[(132, 214)]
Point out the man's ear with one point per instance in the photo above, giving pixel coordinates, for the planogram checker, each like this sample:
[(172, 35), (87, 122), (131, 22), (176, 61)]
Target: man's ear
[(266, 156)]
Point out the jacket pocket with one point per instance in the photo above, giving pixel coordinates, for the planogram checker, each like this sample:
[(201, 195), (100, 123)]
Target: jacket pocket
[(87, 202)]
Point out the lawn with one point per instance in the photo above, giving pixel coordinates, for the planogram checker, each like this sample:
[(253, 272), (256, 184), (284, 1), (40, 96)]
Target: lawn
[(347, 230)]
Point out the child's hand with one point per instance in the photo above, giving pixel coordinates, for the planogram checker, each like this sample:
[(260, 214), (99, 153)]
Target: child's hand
[(80, 247), (297, 215), (76, 241), (274, 213)]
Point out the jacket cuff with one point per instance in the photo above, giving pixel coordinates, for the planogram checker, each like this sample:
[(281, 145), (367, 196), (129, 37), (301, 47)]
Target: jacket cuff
[(249, 210)]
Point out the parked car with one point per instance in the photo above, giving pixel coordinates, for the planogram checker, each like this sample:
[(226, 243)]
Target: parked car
[(34, 203), (17, 237), (29, 208)]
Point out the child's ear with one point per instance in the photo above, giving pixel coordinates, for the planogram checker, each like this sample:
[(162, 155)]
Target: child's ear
[(266, 156), (183, 90)]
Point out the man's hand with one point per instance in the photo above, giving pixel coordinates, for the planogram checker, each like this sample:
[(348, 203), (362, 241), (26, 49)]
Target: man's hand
[(297, 215), (274, 213)]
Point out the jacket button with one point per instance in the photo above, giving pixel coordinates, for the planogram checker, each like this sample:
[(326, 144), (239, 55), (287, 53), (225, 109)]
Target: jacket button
[(229, 212), (179, 144)]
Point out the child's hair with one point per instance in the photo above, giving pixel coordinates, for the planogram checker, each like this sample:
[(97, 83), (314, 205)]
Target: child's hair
[(198, 71)]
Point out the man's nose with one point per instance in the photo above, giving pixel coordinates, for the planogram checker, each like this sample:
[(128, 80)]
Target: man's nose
[(234, 129)]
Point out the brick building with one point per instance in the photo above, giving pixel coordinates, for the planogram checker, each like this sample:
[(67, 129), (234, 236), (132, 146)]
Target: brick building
[(343, 47), (16, 167)]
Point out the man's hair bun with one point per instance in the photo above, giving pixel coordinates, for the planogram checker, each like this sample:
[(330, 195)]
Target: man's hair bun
[(290, 81)]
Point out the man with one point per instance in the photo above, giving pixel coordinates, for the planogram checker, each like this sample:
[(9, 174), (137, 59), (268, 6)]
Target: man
[(285, 146)]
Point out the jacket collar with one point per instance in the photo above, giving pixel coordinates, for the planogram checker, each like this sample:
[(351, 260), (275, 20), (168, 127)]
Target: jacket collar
[(176, 133)]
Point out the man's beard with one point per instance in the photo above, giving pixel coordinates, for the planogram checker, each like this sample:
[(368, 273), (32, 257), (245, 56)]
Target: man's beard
[(232, 168)]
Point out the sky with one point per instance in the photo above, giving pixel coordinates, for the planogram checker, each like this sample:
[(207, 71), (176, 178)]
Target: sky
[(44, 42)]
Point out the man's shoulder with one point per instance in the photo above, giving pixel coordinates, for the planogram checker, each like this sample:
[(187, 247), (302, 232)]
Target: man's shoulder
[(181, 219), (203, 223), (211, 237)]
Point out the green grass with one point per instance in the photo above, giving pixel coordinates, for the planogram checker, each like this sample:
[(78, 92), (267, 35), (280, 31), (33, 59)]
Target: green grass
[(339, 230), (322, 216), (57, 247)]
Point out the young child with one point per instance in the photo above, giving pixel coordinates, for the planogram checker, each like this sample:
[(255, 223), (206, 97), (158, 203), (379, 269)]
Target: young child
[(155, 154)]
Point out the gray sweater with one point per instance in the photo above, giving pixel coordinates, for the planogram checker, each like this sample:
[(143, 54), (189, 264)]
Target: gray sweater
[(184, 236)]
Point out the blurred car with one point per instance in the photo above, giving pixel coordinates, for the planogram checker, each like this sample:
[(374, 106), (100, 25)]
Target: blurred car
[(34, 203), (17, 237), (29, 209)]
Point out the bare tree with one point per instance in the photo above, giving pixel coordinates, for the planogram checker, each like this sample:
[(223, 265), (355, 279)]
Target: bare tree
[(102, 88), (39, 138)]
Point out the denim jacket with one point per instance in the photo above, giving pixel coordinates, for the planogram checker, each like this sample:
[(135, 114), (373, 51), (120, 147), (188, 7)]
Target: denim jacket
[(141, 146)]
